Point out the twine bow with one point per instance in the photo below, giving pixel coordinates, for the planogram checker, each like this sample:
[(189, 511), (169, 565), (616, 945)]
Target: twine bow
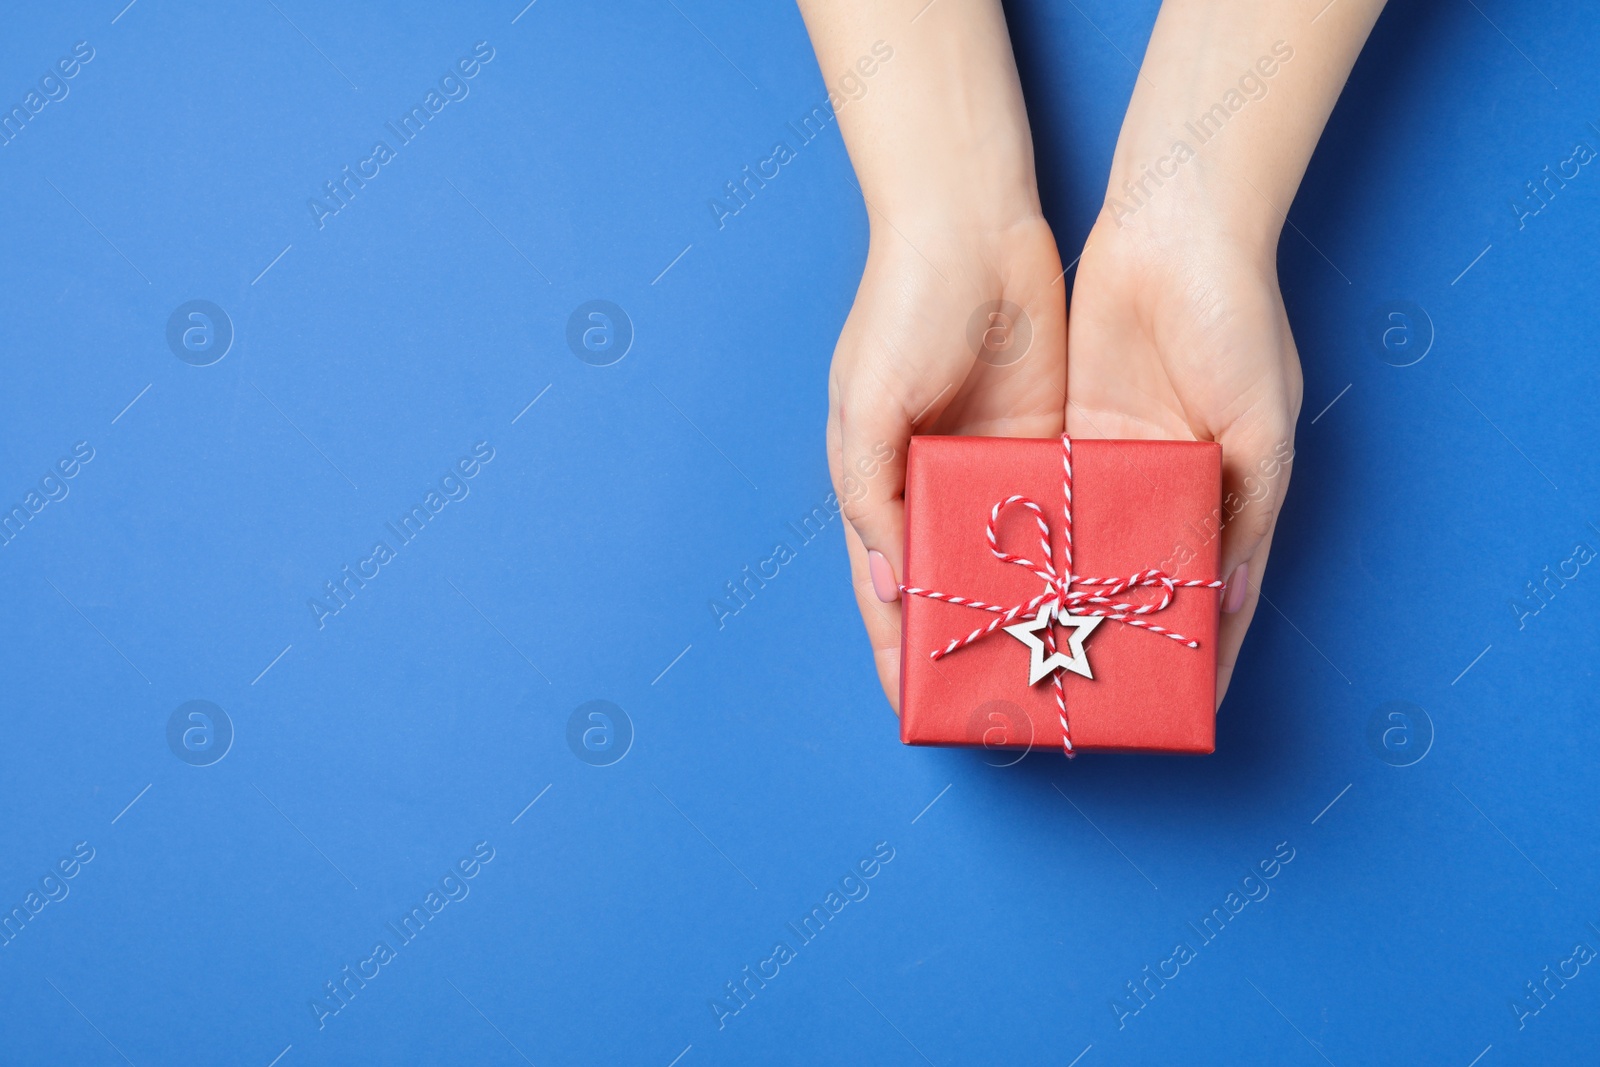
[(1096, 597)]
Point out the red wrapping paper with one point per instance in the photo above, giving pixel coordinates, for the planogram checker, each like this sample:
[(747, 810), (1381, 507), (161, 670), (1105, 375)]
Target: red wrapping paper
[(1136, 505)]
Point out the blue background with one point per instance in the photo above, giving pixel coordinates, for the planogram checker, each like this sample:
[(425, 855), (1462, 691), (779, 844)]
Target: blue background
[(373, 753)]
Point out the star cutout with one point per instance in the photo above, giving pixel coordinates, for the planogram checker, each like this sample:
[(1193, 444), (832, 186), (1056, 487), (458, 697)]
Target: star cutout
[(1039, 667)]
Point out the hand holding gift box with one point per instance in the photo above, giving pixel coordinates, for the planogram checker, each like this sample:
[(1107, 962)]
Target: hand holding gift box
[(1112, 545), (1178, 328)]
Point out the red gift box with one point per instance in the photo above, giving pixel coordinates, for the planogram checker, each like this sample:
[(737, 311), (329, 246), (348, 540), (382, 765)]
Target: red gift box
[(1139, 509)]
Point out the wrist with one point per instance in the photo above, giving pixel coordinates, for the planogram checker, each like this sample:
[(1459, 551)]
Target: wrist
[(1183, 171), (942, 141), (961, 200), (1177, 228), (1172, 195), (1229, 105), (965, 178), (1214, 134)]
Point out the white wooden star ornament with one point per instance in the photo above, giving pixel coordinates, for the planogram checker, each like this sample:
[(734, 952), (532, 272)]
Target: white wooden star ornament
[(1039, 667)]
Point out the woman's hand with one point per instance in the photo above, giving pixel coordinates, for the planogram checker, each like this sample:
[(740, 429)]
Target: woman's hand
[(1178, 332), (1178, 329), (965, 334), (959, 326)]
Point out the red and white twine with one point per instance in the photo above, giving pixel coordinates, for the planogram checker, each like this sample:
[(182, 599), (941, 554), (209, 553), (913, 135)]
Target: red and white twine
[(1096, 598)]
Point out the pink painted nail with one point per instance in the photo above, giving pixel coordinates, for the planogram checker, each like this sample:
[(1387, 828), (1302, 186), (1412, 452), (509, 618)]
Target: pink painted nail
[(883, 582), (1238, 586)]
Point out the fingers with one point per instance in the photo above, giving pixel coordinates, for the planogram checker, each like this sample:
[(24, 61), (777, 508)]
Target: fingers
[(876, 394), (882, 620), (1255, 474), (869, 432), (1256, 460), (897, 364), (1230, 635)]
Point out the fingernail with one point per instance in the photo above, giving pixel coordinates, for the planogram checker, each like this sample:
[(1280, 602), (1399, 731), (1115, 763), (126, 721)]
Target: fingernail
[(1238, 585), (883, 582)]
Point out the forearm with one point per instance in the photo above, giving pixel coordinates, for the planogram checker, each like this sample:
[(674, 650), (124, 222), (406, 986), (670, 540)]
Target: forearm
[(1230, 102), (940, 131)]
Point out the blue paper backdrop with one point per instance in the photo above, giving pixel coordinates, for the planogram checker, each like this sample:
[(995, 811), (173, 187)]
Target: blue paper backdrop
[(1408, 754)]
